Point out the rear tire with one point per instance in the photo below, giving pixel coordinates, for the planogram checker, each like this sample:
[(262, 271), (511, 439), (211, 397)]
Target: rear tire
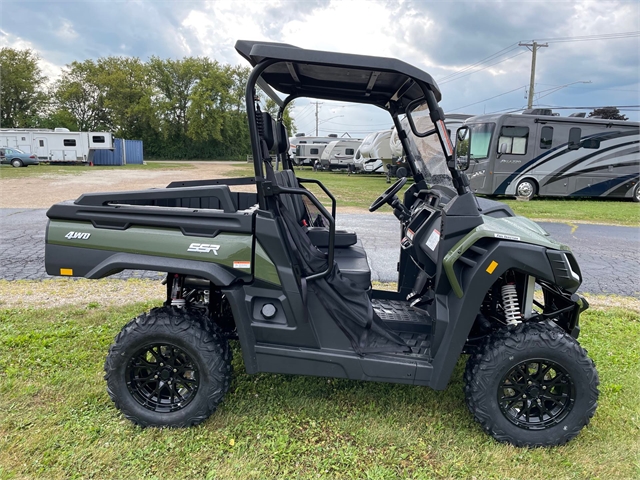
[(636, 193), (16, 163), (170, 367), (531, 386), (526, 189)]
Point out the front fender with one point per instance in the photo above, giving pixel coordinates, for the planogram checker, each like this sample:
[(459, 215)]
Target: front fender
[(456, 314)]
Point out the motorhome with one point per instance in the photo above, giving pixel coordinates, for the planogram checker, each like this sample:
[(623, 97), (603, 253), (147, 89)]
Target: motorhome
[(306, 150), (374, 152), (548, 155), (56, 145), (338, 154)]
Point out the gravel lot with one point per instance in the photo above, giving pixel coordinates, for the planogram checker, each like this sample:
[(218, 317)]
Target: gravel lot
[(43, 191)]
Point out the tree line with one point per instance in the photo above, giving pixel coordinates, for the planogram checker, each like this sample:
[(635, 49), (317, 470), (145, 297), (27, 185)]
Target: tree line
[(191, 108)]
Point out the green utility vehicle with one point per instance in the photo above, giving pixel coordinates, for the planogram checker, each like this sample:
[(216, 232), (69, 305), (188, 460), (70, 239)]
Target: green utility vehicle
[(270, 269)]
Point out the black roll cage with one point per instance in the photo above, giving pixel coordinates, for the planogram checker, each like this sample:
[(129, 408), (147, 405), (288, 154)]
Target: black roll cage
[(396, 105)]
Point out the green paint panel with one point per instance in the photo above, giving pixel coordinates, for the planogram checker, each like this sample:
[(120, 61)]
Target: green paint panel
[(264, 267), (516, 229), (223, 249)]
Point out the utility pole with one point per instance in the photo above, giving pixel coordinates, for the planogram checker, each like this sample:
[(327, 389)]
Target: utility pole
[(317, 104), (534, 48)]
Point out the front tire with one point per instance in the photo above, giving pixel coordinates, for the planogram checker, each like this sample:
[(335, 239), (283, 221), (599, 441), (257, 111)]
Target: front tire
[(531, 386), (636, 193), (16, 163), (168, 368), (526, 189)]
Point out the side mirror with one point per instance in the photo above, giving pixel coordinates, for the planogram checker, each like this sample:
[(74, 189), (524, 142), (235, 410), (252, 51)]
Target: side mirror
[(461, 154), (503, 148)]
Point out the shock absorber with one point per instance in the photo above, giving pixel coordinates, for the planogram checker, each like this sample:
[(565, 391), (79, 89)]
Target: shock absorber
[(510, 304), (176, 291)]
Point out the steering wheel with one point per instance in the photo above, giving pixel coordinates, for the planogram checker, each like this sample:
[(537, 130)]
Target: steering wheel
[(388, 194)]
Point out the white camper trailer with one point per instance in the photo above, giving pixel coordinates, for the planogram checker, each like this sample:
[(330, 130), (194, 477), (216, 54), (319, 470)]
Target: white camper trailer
[(306, 150), (57, 145), (374, 152), (339, 154)]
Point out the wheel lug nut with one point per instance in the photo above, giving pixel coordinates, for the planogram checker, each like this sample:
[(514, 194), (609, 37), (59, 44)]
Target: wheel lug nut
[(529, 382), (544, 387), (175, 370), (524, 396), (155, 376), (162, 364)]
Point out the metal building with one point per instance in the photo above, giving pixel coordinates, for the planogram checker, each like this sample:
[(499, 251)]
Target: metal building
[(125, 152)]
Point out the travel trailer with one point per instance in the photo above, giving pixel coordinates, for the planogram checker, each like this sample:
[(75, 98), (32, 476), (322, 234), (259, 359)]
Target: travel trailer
[(57, 145), (310, 148), (339, 154), (374, 152), (548, 155)]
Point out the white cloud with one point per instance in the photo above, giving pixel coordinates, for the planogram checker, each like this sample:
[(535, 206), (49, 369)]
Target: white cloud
[(49, 69), (438, 37), (65, 31)]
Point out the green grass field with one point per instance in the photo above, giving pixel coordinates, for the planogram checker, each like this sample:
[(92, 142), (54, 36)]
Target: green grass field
[(7, 171), (58, 422), (361, 190)]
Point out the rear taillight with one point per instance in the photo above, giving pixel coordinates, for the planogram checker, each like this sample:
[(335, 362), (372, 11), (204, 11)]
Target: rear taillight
[(32, 156)]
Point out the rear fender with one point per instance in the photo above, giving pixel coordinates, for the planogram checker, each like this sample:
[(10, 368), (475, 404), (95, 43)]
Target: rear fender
[(94, 263)]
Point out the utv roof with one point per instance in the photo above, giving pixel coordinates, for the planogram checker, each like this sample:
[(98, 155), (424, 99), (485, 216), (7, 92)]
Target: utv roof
[(298, 72)]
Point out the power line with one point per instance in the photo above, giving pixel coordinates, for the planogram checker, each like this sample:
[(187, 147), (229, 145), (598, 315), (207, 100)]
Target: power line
[(585, 38), (504, 51), (589, 88), (484, 68), (457, 75), (490, 98)]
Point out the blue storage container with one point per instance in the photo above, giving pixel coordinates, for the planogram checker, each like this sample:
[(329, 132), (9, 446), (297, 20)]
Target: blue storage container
[(125, 152)]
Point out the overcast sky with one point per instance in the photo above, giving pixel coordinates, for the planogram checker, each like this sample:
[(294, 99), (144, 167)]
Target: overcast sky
[(441, 37)]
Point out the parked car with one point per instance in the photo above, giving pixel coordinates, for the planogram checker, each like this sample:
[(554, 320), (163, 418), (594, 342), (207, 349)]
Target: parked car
[(17, 158)]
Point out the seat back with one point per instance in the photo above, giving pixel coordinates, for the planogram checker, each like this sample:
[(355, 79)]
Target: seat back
[(294, 203)]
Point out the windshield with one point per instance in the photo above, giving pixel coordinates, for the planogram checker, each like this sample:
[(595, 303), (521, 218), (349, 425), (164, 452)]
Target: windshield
[(427, 151), (481, 134)]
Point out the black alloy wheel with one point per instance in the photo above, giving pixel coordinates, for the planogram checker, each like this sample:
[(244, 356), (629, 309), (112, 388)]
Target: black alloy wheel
[(531, 385), (170, 367), (536, 394), (162, 378)]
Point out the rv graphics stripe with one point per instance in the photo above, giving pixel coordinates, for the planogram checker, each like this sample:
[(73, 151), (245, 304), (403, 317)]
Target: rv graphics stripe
[(599, 189), (551, 155), (559, 174)]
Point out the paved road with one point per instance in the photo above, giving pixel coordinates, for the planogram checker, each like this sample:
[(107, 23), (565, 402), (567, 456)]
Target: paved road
[(609, 256)]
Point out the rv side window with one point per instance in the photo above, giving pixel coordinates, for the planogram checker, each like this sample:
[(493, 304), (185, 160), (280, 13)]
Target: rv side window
[(546, 137), (314, 151), (575, 135), (515, 138), (69, 142), (97, 139), (349, 151), (41, 143)]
